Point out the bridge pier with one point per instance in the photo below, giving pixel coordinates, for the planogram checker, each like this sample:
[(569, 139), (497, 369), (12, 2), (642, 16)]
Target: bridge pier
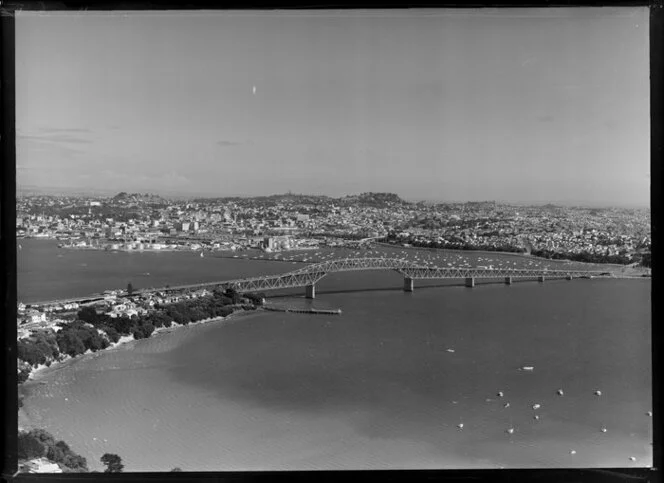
[(470, 282), (508, 280), (310, 291), (408, 284), (540, 278)]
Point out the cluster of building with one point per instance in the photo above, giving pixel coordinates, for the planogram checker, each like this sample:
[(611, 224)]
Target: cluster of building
[(570, 230), (287, 222), (110, 303), (40, 465), (168, 225)]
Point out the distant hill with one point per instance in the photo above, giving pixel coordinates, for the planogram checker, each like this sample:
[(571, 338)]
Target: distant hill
[(32, 190), (138, 198), (270, 199), (378, 200)]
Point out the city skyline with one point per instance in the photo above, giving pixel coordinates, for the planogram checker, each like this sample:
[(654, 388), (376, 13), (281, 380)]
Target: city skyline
[(432, 105), (174, 195)]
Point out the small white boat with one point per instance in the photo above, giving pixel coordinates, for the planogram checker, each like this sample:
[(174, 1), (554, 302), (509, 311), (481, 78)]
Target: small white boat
[(528, 368)]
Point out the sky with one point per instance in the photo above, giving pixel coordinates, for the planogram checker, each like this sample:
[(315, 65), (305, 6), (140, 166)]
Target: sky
[(523, 105)]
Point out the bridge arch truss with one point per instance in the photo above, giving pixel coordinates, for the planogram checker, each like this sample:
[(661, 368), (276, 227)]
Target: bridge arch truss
[(309, 275)]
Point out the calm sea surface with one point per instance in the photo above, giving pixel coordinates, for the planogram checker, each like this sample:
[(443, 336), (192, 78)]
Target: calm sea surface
[(384, 385)]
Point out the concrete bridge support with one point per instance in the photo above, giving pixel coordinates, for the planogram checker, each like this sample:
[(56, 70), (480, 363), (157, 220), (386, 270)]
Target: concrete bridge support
[(470, 282), (408, 284), (508, 280), (310, 291), (540, 278)]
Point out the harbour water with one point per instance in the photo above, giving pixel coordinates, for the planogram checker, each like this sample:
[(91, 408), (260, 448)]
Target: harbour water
[(384, 385), (46, 272)]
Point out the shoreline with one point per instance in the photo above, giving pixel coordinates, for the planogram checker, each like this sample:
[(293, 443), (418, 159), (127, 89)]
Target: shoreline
[(125, 342), (42, 371), (221, 253), (523, 256), (39, 372), (623, 271), (229, 419), (494, 252)]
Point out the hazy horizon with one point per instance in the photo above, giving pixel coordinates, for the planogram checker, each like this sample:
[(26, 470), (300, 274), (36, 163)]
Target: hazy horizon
[(513, 105), (107, 193)]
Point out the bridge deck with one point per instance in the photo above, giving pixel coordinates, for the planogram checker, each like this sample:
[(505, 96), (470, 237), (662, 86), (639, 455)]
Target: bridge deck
[(312, 273)]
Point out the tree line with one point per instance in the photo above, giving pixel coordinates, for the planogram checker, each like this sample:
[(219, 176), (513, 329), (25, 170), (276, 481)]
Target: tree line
[(456, 245), (586, 257), (94, 331), (39, 443)]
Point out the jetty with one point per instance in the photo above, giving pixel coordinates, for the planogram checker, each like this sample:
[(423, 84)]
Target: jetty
[(304, 311)]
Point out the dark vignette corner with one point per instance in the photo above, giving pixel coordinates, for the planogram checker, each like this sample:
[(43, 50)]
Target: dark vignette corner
[(8, 240)]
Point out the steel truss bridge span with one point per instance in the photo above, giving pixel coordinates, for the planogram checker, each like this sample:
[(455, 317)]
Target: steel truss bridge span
[(309, 275)]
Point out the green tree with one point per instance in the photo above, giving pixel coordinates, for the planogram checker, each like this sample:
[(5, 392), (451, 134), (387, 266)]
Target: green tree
[(113, 463), (29, 446), (646, 260), (233, 295), (43, 436), (112, 334), (70, 343), (88, 314), (27, 351), (58, 452), (74, 462)]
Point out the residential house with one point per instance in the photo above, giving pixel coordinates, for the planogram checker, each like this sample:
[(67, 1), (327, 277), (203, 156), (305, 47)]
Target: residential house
[(42, 465)]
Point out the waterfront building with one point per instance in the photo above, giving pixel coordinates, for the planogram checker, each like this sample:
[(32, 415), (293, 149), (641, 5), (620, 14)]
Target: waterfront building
[(42, 465)]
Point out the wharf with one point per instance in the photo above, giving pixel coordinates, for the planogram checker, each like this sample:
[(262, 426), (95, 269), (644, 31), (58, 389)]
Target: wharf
[(304, 311)]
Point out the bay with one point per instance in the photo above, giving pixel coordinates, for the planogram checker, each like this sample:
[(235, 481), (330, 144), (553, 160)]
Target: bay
[(377, 387)]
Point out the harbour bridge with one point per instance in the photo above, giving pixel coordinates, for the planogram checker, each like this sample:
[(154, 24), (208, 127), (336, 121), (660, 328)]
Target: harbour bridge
[(308, 276)]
